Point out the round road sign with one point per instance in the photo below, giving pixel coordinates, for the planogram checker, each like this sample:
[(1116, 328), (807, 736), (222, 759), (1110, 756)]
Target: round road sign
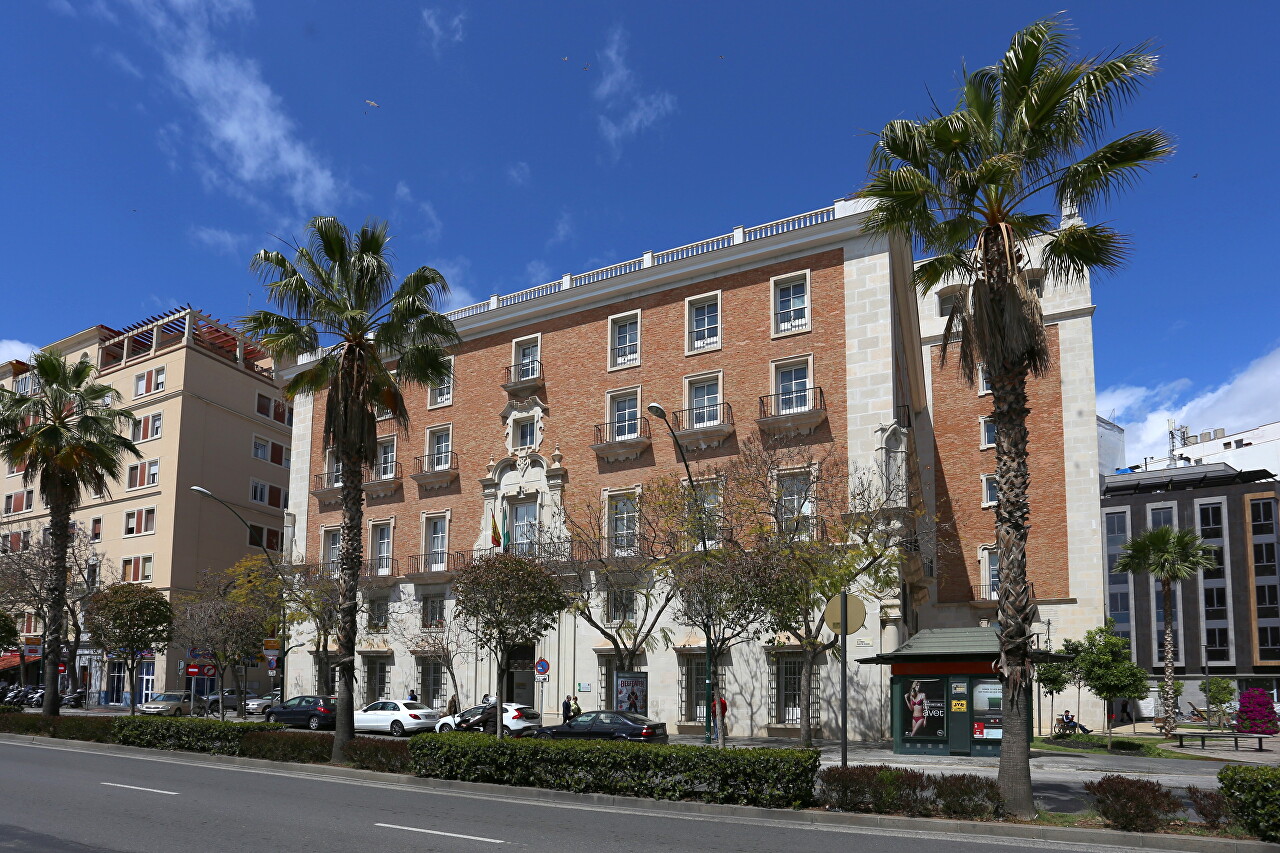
[(542, 667), (193, 669), (208, 670)]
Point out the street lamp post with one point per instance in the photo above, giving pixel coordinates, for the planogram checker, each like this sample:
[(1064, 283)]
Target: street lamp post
[(658, 412), (284, 633)]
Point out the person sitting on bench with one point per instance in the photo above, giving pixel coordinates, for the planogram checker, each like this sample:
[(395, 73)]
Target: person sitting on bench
[(1069, 722)]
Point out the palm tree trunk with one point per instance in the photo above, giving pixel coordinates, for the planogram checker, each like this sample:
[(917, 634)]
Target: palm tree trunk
[(1016, 608), (350, 552), (1170, 703), (56, 604)]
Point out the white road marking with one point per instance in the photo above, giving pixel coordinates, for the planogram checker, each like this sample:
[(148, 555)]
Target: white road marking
[(437, 832), (136, 788)]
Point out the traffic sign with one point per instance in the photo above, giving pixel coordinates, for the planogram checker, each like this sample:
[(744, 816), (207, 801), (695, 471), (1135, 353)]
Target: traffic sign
[(857, 615), (541, 678), (193, 669), (542, 667), (62, 669), (208, 670)]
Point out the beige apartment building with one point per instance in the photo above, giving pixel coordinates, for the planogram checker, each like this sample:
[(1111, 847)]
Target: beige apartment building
[(210, 414)]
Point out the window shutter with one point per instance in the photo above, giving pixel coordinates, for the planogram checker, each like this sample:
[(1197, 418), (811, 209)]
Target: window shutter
[(277, 453), (273, 496)]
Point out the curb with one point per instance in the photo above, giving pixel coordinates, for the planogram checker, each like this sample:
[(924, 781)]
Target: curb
[(977, 829)]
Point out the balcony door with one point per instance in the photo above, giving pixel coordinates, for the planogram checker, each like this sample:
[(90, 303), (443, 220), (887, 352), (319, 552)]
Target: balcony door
[(524, 527), (704, 397), (332, 550), (437, 541), (793, 388), (382, 548)]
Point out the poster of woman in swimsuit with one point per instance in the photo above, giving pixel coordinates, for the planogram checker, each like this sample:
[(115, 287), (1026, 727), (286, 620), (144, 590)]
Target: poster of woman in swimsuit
[(926, 712)]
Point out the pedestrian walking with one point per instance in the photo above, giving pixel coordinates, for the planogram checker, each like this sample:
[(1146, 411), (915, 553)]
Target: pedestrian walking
[(412, 697), (566, 709), (452, 707), (574, 708), (719, 707), (1126, 716)]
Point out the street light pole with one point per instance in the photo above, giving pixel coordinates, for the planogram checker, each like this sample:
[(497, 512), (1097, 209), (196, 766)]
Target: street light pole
[(658, 412), (284, 630)]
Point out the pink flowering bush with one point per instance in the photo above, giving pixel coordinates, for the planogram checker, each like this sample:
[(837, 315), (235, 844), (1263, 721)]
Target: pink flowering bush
[(1257, 716)]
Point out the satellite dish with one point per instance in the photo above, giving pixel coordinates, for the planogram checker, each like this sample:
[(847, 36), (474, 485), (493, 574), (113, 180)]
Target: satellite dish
[(857, 615)]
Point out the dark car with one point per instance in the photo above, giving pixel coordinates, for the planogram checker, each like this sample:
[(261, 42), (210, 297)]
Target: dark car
[(314, 712), (610, 725)]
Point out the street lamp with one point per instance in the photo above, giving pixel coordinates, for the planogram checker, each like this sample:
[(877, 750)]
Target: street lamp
[(284, 638), (661, 414)]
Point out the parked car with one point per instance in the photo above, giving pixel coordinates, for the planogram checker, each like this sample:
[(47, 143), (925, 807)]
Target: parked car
[(517, 719), (609, 725), (262, 703), (174, 703), (314, 712), (229, 698), (398, 718)]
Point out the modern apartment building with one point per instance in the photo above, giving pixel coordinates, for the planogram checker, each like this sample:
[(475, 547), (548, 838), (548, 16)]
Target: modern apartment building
[(210, 414), (1226, 621), (805, 326)]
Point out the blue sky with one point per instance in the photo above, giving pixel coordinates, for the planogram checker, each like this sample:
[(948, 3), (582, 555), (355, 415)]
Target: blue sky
[(151, 146)]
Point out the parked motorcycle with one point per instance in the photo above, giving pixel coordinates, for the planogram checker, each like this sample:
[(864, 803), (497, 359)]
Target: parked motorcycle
[(17, 696), (36, 699), (74, 699)]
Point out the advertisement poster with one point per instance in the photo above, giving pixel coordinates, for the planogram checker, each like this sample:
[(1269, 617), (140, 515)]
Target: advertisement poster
[(988, 710), (926, 715), (631, 692)]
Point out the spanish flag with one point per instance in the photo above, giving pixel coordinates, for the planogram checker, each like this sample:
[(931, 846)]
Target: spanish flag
[(495, 534)]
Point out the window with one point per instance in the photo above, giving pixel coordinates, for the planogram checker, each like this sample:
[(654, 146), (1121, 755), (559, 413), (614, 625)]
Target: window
[(1268, 603), (1262, 516), (140, 521), (95, 529), (432, 611), (442, 395), (143, 474), (624, 341), (704, 402), (693, 688), (381, 548), (1217, 643), (990, 490), (706, 524), (794, 390), (524, 433), (376, 680), (1269, 641), (1035, 281), (15, 469), (136, 569), (624, 525), (439, 449), (378, 608), (437, 543), (527, 363), (385, 467), (1215, 603), (331, 542), (991, 571), (15, 542), (703, 321), (431, 686), (261, 448), (257, 491), (19, 501), (1161, 516), (988, 433), (524, 527), (1117, 602), (984, 380), (147, 427), (276, 410), (1211, 521), (795, 503), (1264, 558), (269, 538), (788, 667), (791, 304), (620, 604), (947, 300), (149, 382), (624, 416)]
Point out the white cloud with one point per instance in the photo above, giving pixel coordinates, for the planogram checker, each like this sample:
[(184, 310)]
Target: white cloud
[(118, 60), (433, 227), (11, 349), (562, 230), (625, 111), (444, 30), (1248, 399), (538, 272), (456, 272), (519, 174), (220, 240), (250, 142)]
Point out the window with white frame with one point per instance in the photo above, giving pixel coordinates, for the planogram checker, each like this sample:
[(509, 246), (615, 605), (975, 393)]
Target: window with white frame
[(524, 527), (380, 547), (437, 536), (433, 612), (624, 415), (624, 524), (95, 529), (20, 501), (439, 448), (140, 521), (794, 389), (990, 490), (148, 427), (988, 433), (136, 569), (13, 469), (385, 467), (265, 537), (795, 503), (257, 491), (947, 300), (523, 433), (331, 549), (791, 303), (15, 542), (149, 382), (261, 448), (984, 380), (991, 570), (277, 410), (1161, 516), (528, 364), (624, 340), (705, 523), (141, 474), (704, 401), (442, 394), (703, 322), (620, 601)]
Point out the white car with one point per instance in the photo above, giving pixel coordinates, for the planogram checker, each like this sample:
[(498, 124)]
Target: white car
[(517, 719), (397, 718)]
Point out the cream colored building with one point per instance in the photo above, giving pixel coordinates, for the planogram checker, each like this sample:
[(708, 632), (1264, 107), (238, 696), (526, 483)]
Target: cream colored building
[(211, 415)]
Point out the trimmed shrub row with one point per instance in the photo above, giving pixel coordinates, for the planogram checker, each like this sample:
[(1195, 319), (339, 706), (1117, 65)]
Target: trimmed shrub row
[(189, 734), (384, 756), (300, 747), (773, 778), (1253, 798), (882, 789), (95, 729), (10, 709), (1134, 805)]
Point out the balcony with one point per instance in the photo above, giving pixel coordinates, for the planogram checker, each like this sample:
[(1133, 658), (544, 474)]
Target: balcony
[(327, 487), (618, 441), (438, 565), (435, 470), (382, 480), (703, 427), (522, 379), (792, 413), (379, 571), (550, 552), (988, 594), (701, 340), (626, 355)]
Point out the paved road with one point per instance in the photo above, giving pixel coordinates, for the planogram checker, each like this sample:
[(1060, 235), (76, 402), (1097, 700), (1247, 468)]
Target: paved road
[(74, 801)]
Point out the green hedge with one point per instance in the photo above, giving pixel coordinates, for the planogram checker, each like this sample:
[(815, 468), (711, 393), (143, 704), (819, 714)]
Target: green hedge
[(96, 729), (773, 778), (882, 789), (1253, 796), (185, 733), (302, 747), (384, 756), (10, 709)]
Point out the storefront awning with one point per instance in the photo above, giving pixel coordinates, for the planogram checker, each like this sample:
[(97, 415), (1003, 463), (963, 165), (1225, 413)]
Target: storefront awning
[(10, 661)]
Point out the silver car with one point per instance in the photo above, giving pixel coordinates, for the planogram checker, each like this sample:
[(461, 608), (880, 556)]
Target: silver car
[(173, 703), (260, 706)]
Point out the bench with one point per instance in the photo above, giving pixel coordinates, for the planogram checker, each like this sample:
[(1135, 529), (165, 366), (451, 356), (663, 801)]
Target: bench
[(1235, 736)]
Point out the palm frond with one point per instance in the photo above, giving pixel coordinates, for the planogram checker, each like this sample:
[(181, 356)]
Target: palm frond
[(1074, 250), (1116, 166)]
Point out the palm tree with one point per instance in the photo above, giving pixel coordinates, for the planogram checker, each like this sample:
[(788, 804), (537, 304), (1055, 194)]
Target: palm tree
[(370, 337), (1170, 556), (968, 189), (68, 437)]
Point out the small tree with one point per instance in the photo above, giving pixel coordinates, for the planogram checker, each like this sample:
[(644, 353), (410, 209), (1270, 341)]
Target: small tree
[(128, 620), (8, 631), (1107, 669), (510, 600), (1218, 692), (1053, 678), (448, 641), (1257, 714)]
